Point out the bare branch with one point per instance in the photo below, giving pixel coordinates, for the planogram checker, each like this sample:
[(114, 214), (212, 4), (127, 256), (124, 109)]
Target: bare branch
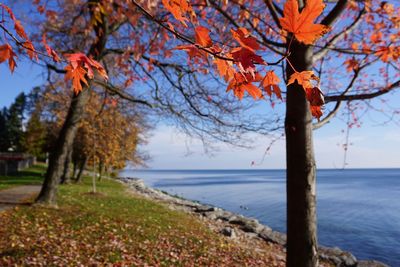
[(54, 68), (335, 13), (329, 45), (333, 112), (362, 96), (115, 90), (328, 117), (274, 13)]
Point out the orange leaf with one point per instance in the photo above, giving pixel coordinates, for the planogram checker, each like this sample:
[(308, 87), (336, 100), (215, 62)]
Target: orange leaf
[(20, 30), (388, 53), (241, 83), (246, 59), (77, 75), (224, 68), (302, 24), (354, 46), (315, 96), (203, 37), (192, 51), (316, 111), (242, 36), (79, 59), (6, 53), (376, 37), (352, 64), (30, 50), (49, 50), (270, 84), (303, 78), (253, 90), (178, 9), (8, 10), (316, 99)]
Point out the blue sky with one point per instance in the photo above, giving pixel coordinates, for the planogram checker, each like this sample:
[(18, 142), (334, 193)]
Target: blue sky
[(373, 145)]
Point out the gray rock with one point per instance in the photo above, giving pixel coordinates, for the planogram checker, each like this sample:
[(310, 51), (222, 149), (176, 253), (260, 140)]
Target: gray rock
[(273, 236), (204, 208), (247, 224), (339, 257), (229, 232), (371, 263), (225, 215), (237, 219), (212, 215), (249, 235), (252, 226)]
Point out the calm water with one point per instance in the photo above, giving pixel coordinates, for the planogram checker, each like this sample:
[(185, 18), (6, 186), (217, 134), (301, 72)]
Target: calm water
[(358, 209)]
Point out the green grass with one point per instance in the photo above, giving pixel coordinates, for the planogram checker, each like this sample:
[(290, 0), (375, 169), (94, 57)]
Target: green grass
[(113, 226), (29, 176)]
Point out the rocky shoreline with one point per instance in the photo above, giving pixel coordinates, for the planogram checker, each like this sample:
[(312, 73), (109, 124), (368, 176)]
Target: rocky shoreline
[(233, 225)]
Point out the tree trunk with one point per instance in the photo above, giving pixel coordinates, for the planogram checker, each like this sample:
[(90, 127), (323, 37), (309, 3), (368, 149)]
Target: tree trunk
[(66, 174), (101, 168), (301, 171), (81, 169), (63, 144), (68, 132), (74, 169)]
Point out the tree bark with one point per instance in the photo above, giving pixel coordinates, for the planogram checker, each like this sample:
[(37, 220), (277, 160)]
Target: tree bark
[(66, 174), (301, 170), (64, 142)]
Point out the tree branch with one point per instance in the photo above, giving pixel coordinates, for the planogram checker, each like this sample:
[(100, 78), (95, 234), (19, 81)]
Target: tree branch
[(335, 13), (54, 68), (328, 117), (362, 96), (333, 112), (274, 13), (323, 51), (115, 90)]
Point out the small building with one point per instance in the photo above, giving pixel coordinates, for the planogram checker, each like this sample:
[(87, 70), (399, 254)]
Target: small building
[(14, 162)]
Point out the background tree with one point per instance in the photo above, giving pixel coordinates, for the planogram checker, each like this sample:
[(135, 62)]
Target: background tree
[(4, 144), (34, 141), (114, 129), (35, 138), (15, 122), (11, 125)]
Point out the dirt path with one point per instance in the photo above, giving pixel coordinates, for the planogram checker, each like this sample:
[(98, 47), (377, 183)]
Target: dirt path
[(17, 195)]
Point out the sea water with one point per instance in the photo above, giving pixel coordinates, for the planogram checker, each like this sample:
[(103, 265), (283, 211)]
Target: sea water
[(358, 209)]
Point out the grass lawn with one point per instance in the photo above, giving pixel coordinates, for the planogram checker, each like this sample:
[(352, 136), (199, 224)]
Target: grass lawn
[(116, 228), (30, 176)]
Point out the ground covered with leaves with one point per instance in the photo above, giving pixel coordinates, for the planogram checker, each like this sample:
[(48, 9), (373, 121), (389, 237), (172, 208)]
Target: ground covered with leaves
[(119, 229)]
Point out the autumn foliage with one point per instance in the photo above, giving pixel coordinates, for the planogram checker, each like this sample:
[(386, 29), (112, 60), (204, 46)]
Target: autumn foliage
[(237, 64), (78, 66), (236, 58)]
